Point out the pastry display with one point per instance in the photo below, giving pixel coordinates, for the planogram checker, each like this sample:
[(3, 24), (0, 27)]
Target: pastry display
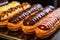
[(26, 20)]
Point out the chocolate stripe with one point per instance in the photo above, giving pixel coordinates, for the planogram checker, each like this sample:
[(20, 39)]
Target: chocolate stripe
[(24, 14), (36, 17)]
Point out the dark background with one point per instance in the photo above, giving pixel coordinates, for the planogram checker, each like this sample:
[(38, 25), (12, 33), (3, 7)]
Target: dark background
[(55, 3)]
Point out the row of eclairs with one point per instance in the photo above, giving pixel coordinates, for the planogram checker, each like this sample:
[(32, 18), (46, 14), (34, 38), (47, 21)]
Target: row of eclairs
[(43, 21)]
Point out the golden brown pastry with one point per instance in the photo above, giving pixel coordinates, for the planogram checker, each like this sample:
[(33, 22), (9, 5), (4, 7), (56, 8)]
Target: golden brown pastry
[(5, 8), (48, 25), (13, 11), (14, 23), (29, 24)]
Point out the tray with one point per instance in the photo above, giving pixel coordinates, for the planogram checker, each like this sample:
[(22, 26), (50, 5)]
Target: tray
[(19, 35)]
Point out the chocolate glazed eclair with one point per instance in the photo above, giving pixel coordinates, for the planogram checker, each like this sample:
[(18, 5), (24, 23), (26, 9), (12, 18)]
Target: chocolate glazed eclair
[(29, 24), (6, 8), (48, 25), (14, 23), (13, 11)]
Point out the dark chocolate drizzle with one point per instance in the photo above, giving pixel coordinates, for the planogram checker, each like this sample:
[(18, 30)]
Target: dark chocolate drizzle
[(24, 14), (30, 21)]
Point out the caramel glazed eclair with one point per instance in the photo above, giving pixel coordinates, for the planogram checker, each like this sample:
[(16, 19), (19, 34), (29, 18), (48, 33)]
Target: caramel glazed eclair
[(11, 12), (14, 23), (30, 23), (15, 10), (5, 8), (48, 25)]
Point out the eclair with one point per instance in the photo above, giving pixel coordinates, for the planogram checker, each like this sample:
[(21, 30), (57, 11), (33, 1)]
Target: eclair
[(5, 8), (15, 10), (14, 23), (48, 25), (29, 24)]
